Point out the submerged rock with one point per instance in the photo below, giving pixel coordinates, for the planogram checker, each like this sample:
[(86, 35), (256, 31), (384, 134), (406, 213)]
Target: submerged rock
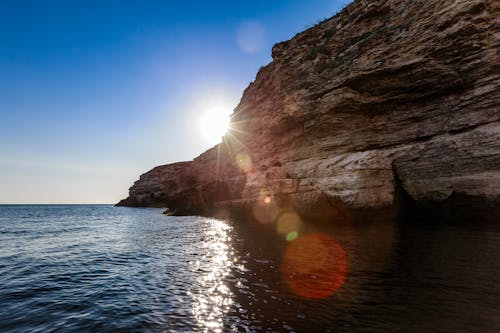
[(387, 104)]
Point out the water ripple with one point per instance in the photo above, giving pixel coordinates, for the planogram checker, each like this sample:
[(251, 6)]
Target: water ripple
[(108, 269)]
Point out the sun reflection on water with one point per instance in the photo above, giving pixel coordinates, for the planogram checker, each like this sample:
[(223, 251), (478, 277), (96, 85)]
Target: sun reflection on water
[(213, 299)]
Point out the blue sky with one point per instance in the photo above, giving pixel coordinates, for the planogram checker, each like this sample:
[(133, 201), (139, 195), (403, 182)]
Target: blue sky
[(94, 93)]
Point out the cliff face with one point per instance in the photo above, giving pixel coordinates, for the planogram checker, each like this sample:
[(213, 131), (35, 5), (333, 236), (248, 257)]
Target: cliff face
[(386, 98)]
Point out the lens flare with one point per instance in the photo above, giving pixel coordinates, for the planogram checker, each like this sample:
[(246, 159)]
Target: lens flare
[(244, 162), (287, 223), (251, 37), (265, 212), (314, 266), (292, 235)]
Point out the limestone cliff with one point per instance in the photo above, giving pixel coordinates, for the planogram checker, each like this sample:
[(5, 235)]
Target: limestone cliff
[(386, 97)]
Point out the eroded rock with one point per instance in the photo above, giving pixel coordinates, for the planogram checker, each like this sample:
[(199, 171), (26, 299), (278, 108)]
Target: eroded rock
[(386, 97)]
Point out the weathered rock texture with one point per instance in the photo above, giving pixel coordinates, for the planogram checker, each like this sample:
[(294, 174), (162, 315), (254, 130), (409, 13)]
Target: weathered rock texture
[(387, 97)]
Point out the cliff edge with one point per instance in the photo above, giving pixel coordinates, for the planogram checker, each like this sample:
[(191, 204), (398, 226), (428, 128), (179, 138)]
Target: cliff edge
[(387, 103)]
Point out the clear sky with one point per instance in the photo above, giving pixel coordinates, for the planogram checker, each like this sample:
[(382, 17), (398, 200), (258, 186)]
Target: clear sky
[(94, 93)]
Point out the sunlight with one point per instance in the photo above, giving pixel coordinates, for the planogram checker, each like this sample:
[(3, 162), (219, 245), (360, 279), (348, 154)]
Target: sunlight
[(213, 123), (211, 297)]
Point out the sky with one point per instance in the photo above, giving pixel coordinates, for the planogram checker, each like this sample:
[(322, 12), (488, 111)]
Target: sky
[(94, 93)]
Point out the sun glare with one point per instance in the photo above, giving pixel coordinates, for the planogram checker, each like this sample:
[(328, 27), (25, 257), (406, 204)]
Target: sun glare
[(213, 123)]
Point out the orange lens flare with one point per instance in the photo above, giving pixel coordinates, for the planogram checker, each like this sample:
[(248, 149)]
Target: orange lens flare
[(314, 266)]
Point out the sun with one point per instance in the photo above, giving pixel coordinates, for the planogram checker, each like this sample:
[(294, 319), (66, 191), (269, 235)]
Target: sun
[(213, 123)]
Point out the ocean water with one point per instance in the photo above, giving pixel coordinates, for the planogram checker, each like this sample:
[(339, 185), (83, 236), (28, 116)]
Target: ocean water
[(100, 268)]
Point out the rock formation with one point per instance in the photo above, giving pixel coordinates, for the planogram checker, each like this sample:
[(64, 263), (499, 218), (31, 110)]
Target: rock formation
[(386, 100)]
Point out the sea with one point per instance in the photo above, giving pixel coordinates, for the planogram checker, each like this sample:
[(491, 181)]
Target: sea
[(99, 268)]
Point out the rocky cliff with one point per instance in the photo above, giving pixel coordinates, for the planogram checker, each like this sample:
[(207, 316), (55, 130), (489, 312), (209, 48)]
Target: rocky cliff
[(388, 101)]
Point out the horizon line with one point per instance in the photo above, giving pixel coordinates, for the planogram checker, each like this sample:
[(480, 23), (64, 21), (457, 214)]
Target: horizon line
[(55, 204)]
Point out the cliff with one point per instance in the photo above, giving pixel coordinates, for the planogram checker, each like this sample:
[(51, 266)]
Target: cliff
[(387, 103)]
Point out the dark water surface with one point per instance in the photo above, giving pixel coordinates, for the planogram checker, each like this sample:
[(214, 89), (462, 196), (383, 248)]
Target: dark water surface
[(108, 269)]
